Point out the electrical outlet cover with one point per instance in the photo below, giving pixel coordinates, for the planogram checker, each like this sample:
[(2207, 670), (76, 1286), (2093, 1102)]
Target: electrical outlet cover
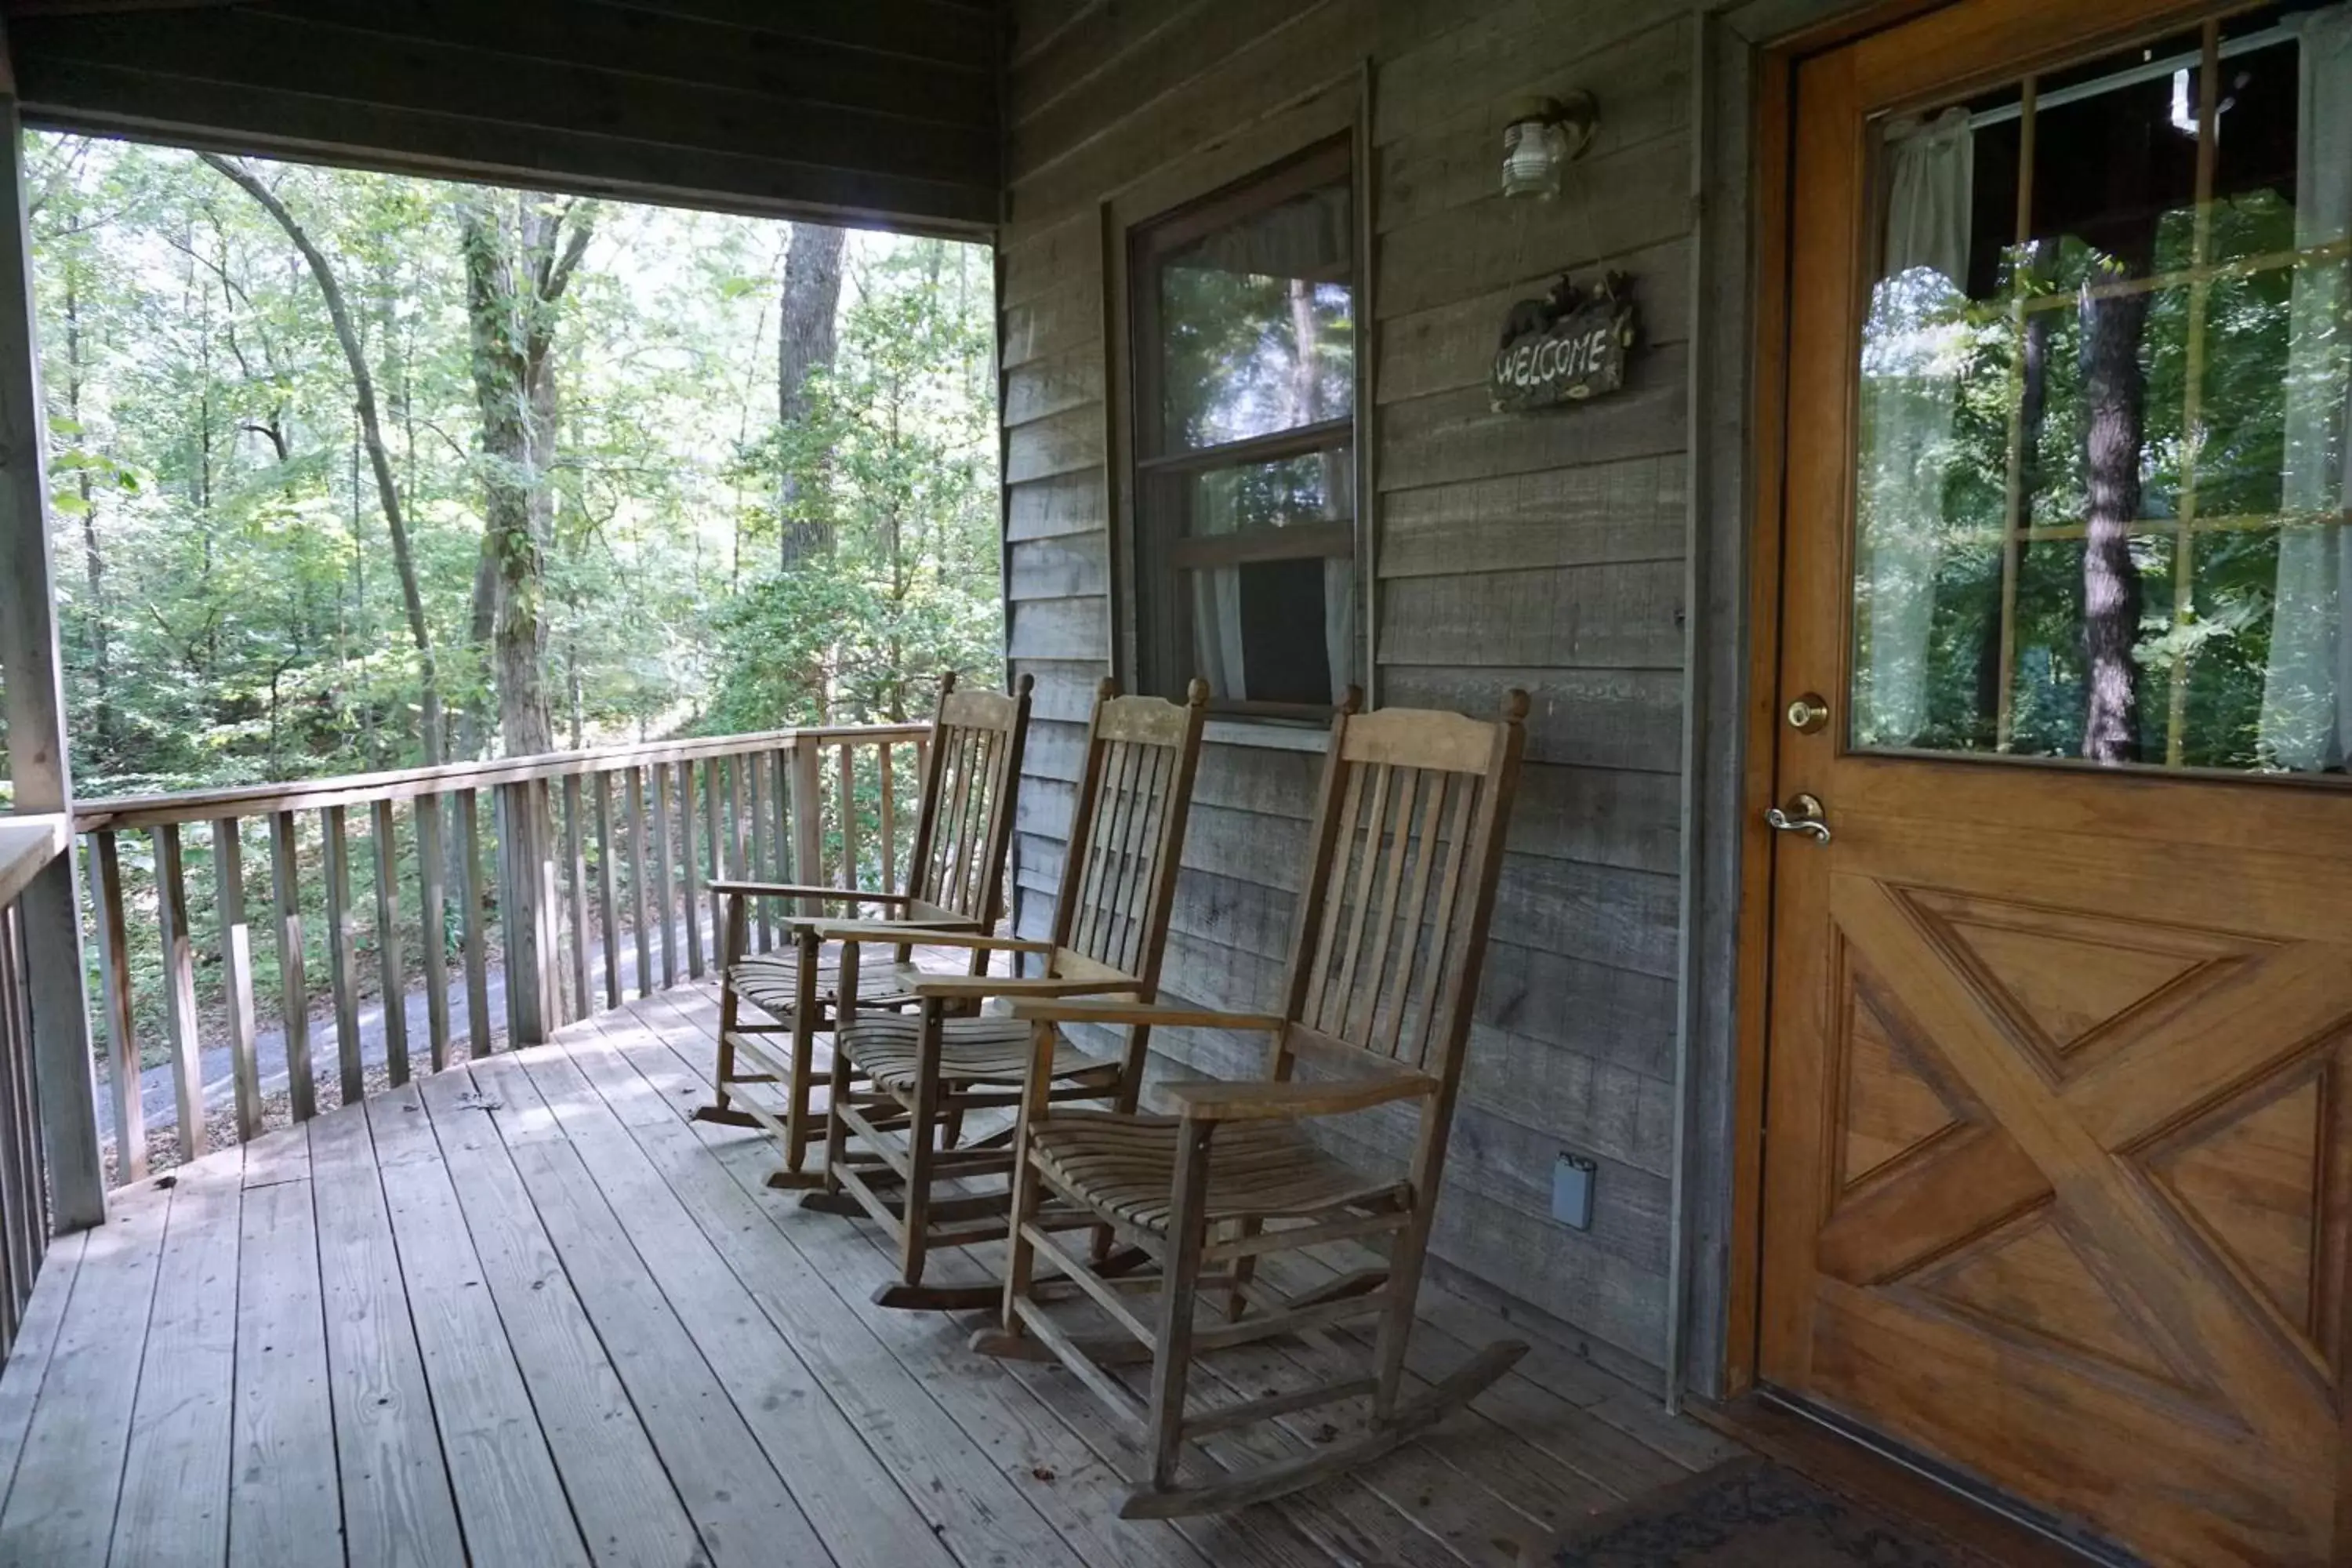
[(1572, 1176)]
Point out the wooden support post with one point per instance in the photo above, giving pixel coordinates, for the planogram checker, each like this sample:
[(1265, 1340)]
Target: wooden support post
[(526, 856), (114, 983), (236, 972), (632, 780), (665, 882), (33, 675), (687, 865), (477, 962), (808, 821), (393, 983), (432, 923), (575, 893), (294, 992), (180, 989), (339, 957), (715, 841), (608, 926), (847, 871), (758, 842)]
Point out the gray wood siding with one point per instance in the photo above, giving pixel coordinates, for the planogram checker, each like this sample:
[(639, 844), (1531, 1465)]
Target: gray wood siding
[(1546, 553), (866, 111)]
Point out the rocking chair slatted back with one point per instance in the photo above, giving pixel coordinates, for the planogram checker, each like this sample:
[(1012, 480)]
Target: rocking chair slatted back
[(1392, 923), (1127, 836), (965, 824)]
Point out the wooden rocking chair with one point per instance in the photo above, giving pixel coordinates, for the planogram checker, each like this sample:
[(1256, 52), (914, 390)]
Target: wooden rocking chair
[(927, 1072), (963, 826), (1384, 964)]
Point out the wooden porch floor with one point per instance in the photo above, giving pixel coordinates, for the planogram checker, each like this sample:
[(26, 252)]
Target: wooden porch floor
[(526, 1312)]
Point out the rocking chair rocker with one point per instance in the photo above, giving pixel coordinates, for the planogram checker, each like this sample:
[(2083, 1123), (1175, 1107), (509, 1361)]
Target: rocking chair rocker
[(1384, 964), (925, 1071), (963, 826)]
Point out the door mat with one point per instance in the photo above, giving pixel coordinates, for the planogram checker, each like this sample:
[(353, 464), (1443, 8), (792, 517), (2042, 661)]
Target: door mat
[(1749, 1513)]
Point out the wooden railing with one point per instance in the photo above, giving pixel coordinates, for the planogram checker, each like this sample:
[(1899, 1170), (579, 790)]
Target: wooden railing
[(27, 846), (585, 877)]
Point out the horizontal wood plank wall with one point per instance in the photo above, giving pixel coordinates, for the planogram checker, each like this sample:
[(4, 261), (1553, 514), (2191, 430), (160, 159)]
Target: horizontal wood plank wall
[(879, 111), (1542, 552)]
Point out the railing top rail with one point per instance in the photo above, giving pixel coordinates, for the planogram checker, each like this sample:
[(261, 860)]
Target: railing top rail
[(406, 783), (29, 843)]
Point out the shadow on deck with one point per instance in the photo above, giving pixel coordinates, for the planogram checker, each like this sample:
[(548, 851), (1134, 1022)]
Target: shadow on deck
[(526, 1312)]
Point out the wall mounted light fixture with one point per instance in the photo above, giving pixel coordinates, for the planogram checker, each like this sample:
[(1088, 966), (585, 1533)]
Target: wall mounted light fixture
[(1542, 136)]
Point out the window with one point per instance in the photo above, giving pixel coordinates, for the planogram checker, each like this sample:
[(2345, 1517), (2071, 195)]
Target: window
[(1243, 326), (2104, 483)]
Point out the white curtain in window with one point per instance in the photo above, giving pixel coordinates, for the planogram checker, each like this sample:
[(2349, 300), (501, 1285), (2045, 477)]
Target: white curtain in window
[(2307, 694), (1217, 630), (1339, 622), (1911, 363)]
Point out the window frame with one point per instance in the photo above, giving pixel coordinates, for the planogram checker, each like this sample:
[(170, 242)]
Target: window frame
[(1321, 138)]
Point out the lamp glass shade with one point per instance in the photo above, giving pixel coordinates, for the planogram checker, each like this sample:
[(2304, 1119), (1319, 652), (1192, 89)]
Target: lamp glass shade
[(1534, 153)]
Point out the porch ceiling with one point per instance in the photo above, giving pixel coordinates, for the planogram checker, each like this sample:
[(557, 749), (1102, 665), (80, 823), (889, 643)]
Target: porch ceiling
[(875, 111)]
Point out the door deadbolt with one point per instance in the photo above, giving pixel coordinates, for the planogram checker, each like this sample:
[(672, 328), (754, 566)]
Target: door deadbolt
[(1808, 713)]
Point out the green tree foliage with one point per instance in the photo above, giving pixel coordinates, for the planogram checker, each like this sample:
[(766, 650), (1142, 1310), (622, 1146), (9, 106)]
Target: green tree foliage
[(228, 604)]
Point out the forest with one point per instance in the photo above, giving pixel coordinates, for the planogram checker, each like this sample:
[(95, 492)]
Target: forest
[(354, 471)]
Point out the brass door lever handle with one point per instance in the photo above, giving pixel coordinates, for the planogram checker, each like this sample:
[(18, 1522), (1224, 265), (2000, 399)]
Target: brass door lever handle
[(1802, 815)]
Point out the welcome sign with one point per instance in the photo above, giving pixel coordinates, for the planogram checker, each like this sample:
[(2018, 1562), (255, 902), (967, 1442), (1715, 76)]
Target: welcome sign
[(1565, 348)]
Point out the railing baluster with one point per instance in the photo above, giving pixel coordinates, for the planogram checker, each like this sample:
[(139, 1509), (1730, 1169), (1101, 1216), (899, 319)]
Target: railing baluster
[(889, 810), (665, 891), (432, 927), (180, 990), (633, 781), (714, 842), (236, 971), (764, 868), (608, 923), (293, 990), (340, 958), (848, 869), (687, 864), (739, 863), (478, 960), (575, 855), (387, 944), (114, 971), (808, 822)]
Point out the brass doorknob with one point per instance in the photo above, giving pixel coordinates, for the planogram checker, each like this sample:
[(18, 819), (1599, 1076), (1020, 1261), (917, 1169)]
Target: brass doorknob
[(1803, 815)]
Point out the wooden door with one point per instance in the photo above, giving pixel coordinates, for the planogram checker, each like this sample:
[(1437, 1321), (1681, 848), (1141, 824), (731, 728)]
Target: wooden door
[(2058, 1147)]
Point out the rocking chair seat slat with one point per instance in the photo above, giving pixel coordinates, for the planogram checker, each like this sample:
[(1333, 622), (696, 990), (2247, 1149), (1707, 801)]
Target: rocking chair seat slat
[(972, 1051), (1123, 1168), (771, 982)]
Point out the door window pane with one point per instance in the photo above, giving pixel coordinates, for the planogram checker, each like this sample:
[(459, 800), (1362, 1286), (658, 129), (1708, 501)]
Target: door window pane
[(2103, 412)]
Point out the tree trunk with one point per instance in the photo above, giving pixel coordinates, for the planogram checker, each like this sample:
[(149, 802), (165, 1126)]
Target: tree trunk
[(519, 258), (371, 429), (2033, 415), (2113, 389), (101, 672), (806, 341)]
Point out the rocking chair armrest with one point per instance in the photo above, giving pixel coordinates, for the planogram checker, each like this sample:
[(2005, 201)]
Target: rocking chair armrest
[(910, 935), (1216, 1100), (803, 891), (1167, 1015), (979, 987)]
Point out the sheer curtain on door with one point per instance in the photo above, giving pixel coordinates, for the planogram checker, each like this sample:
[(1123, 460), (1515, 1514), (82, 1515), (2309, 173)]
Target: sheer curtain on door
[(2306, 723)]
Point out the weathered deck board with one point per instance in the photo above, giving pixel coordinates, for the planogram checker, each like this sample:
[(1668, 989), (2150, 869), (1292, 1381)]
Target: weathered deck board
[(174, 1507), (395, 1485), (508, 1499), (526, 1311), (623, 1498), (285, 1496), (61, 1504)]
